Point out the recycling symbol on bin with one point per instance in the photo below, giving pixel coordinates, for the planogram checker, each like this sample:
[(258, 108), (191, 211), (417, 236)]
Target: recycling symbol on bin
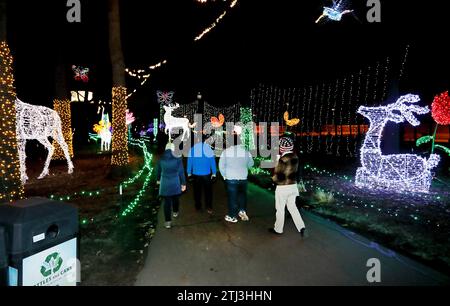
[(52, 264)]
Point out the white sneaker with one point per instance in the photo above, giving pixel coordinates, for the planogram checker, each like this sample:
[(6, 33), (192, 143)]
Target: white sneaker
[(231, 220), (175, 215), (243, 216), (168, 225)]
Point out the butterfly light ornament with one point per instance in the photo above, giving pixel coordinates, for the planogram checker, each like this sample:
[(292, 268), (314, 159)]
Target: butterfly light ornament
[(81, 73), (165, 97)]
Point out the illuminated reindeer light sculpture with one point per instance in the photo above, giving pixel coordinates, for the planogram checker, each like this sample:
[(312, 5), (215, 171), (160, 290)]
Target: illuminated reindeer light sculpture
[(39, 123), (174, 122), (402, 173)]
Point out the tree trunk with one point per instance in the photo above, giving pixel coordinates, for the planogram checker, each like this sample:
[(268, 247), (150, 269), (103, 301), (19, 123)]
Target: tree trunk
[(119, 92), (11, 187)]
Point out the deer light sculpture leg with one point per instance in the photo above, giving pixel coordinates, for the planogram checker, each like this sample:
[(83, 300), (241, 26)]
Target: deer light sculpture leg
[(403, 172)]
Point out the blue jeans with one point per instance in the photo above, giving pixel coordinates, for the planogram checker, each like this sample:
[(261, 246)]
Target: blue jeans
[(237, 197)]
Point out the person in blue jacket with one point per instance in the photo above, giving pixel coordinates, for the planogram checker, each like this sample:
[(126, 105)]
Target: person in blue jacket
[(172, 183), (201, 166)]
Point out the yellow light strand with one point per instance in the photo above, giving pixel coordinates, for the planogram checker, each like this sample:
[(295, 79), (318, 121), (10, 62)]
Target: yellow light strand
[(11, 187), (62, 107), (142, 74), (120, 131)]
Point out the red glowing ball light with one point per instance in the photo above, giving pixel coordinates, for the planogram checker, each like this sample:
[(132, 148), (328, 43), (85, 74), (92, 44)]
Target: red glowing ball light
[(441, 109)]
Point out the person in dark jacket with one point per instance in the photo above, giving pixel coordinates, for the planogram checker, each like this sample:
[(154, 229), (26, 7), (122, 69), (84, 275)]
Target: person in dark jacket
[(172, 183), (286, 179)]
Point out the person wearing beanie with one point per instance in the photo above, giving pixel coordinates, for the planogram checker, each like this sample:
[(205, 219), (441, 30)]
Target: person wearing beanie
[(286, 179), (172, 183)]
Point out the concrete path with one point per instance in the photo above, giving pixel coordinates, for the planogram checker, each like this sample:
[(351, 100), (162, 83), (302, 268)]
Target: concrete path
[(204, 251)]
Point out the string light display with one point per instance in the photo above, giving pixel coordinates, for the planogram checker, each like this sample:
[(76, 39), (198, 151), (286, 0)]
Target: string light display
[(290, 122), (386, 77), (341, 120), (335, 99), (186, 111), (144, 75), (440, 114), (231, 113), (322, 97), (327, 120), (216, 22), (308, 128), (39, 123), (247, 136), (335, 12), (217, 122), (172, 122), (403, 66), (358, 96), (314, 115), (399, 173), (119, 138), (11, 187), (81, 73), (62, 107), (441, 109), (155, 127), (104, 132), (349, 117)]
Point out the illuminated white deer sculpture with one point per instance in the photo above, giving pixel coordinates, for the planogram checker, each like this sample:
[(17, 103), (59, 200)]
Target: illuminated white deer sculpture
[(38, 123), (174, 122), (402, 173)]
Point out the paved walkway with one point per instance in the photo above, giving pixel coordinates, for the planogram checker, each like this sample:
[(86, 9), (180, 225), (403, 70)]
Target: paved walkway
[(204, 251)]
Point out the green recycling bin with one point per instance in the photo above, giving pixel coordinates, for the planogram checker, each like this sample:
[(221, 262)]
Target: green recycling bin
[(41, 244)]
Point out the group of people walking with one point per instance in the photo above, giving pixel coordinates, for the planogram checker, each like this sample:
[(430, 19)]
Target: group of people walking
[(234, 165)]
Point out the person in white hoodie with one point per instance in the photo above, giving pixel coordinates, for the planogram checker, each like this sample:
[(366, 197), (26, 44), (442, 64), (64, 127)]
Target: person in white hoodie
[(234, 164)]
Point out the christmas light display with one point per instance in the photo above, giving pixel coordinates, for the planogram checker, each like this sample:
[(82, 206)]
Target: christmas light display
[(441, 109), (104, 132), (10, 183), (39, 123), (81, 74), (119, 126), (80, 96), (155, 127), (165, 97), (144, 75), (441, 114), (216, 22), (335, 12), (290, 122), (174, 122), (217, 122), (62, 107), (231, 113), (247, 132), (400, 173)]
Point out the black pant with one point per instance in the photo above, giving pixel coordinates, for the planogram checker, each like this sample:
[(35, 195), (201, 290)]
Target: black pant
[(169, 204), (203, 183)]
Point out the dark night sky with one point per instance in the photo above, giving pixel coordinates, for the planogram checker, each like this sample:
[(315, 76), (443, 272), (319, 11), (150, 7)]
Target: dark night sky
[(260, 41)]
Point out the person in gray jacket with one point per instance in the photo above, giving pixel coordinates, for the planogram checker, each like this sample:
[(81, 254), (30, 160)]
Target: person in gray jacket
[(234, 164)]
